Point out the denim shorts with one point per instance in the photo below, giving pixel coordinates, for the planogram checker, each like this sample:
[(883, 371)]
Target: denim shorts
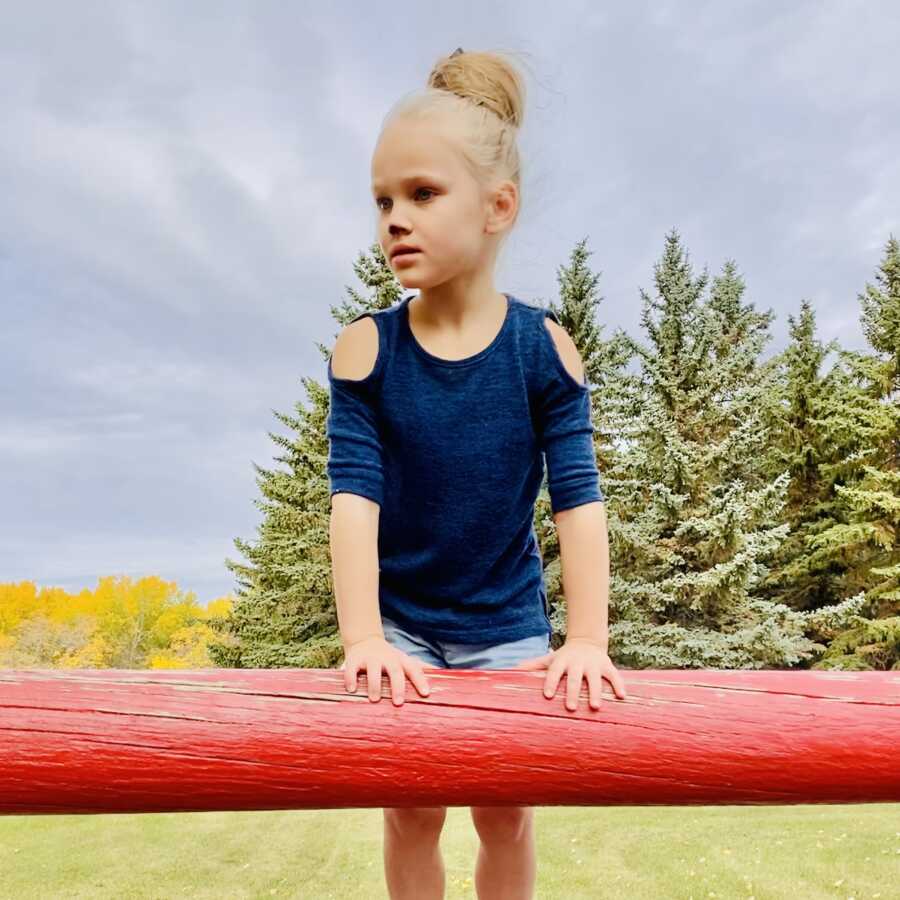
[(449, 655)]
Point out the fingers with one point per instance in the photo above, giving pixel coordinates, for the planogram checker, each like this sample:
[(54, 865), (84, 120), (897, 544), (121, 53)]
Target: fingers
[(595, 688), (574, 676), (373, 680), (397, 679), (398, 670), (349, 677), (416, 672), (576, 673), (554, 673), (618, 683), (398, 674), (373, 672), (398, 666)]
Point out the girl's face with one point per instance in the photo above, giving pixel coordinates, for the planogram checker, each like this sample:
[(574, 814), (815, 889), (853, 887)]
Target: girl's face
[(426, 197)]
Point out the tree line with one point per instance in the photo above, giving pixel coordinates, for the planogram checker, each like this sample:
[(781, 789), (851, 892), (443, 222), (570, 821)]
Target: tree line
[(753, 503)]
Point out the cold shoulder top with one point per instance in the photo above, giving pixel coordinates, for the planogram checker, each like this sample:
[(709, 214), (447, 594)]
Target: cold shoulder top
[(453, 452)]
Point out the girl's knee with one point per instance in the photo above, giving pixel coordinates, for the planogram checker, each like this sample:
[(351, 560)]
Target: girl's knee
[(421, 820), (502, 823)]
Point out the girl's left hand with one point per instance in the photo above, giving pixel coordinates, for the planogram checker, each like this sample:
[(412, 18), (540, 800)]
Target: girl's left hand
[(578, 658)]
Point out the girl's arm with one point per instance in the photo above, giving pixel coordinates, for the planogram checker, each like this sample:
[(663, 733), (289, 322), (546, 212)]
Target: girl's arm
[(576, 496), (353, 532), (356, 476), (584, 557)]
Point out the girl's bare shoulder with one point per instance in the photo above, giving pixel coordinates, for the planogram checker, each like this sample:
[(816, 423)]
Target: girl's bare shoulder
[(356, 349)]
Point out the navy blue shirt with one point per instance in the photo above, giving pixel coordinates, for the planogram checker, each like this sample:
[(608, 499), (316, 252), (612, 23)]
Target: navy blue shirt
[(453, 452)]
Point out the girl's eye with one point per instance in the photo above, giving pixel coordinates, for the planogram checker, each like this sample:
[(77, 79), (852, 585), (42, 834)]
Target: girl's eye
[(427, 191)]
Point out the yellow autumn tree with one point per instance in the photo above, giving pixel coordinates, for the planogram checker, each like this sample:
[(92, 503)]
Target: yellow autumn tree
[(122, 623)]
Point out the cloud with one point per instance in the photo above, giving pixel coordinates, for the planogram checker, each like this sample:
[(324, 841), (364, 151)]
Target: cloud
[(185, 189)]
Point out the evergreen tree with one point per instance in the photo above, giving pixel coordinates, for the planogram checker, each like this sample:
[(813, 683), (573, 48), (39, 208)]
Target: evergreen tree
[(285, 614), (803, 444), (692, 521), (865, 419)]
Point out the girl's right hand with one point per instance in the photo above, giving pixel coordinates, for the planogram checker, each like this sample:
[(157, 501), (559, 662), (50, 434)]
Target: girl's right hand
[(373, 654)]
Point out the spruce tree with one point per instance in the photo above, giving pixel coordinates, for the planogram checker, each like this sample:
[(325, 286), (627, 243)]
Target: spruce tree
[(802, 444), (864, 418), (692, 520), (285, 614)]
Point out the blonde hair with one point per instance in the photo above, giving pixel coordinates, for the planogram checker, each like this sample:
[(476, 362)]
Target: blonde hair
[(484, 93)]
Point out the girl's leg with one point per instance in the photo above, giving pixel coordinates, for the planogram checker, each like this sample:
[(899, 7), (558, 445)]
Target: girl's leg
[(506, 867), (413, 865)]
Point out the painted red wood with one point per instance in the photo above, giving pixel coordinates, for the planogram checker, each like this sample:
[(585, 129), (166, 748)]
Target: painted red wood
[(93, 741)]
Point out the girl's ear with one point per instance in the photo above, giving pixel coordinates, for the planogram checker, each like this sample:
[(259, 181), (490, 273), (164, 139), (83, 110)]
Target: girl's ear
[(504, 203)]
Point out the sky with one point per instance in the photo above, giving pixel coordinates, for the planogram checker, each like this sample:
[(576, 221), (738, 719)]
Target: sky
[(186, 187)]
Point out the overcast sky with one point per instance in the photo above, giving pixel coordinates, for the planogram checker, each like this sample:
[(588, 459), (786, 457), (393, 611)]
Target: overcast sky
[(185, 187)]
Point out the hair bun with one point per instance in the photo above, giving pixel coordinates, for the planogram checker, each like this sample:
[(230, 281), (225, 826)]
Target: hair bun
[(485, 78)]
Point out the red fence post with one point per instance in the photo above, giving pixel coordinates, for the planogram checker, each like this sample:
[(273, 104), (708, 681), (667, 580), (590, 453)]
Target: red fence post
[(121, 740)]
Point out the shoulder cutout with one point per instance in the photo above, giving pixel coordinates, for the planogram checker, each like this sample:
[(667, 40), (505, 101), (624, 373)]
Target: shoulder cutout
[(566, 349), (356, 349)]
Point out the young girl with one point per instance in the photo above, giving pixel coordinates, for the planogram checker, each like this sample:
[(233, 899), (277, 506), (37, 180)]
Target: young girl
[(441, 408)]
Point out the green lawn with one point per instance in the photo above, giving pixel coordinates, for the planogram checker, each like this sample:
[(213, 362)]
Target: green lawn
[(795, 852)]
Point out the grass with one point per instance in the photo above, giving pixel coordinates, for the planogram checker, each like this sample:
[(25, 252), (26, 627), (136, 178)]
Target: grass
[(637, 853)]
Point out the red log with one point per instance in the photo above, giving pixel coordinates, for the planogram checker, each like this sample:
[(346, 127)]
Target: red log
[(116, 740)]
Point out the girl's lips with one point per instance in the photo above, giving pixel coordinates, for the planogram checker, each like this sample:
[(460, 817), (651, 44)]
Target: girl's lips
[(409, 254)]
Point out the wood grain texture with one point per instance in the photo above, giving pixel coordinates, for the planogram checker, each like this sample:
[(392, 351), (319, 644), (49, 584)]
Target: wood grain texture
[(115, 740)]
